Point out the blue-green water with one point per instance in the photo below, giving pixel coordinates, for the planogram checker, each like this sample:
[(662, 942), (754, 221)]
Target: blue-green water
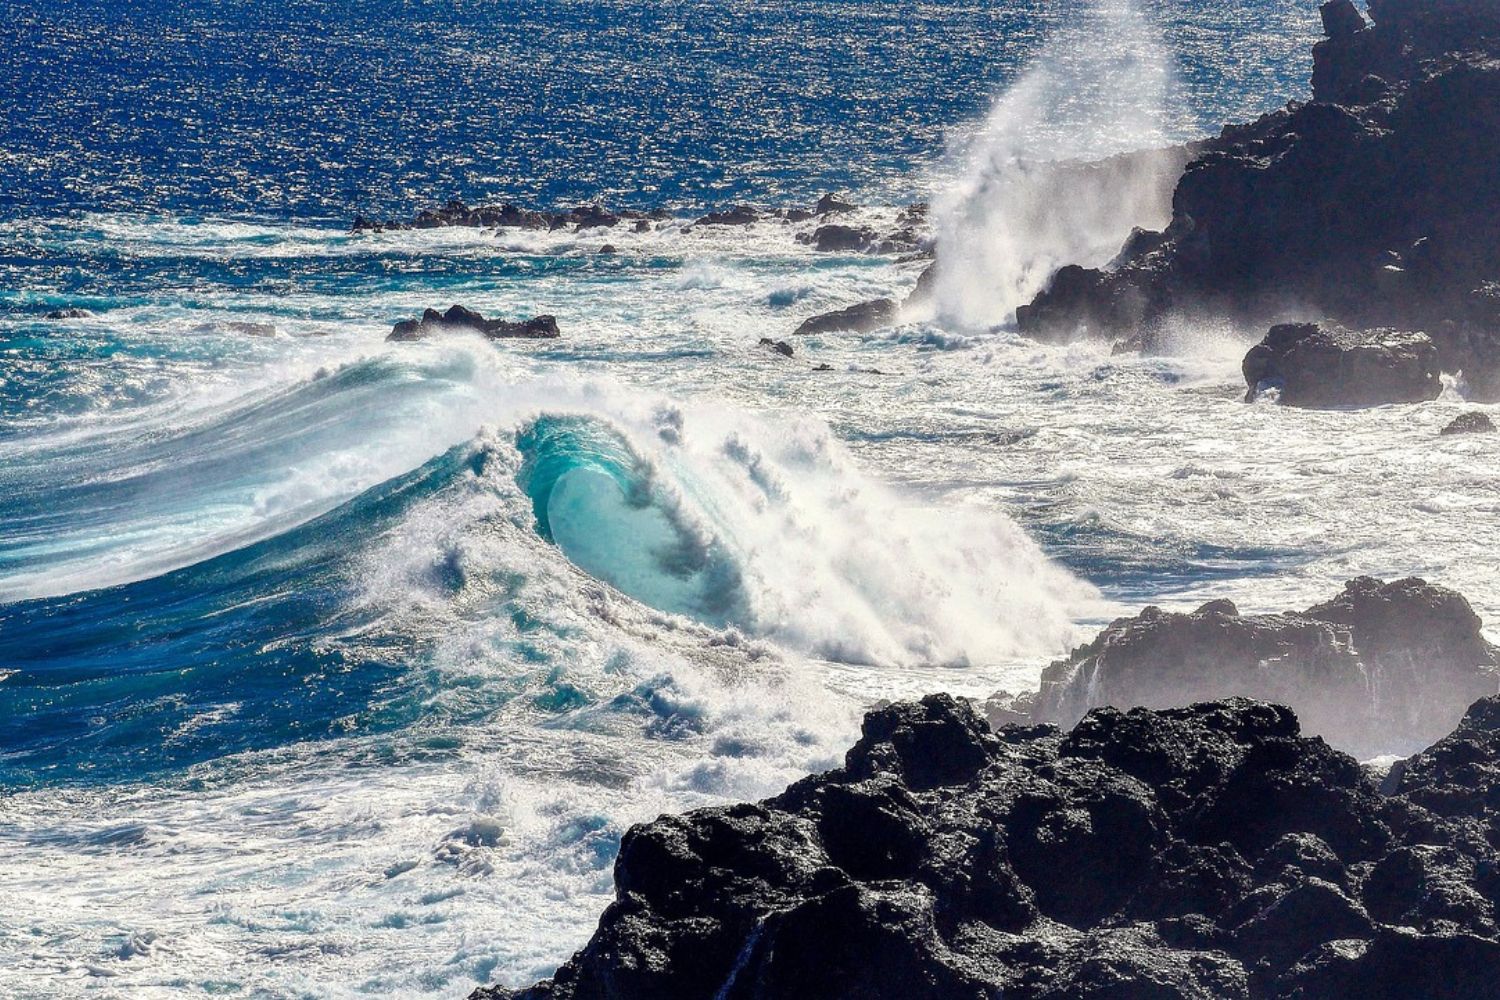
[(291, 618)]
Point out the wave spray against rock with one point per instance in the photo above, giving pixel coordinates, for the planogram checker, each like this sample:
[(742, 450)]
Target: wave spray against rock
[(1070, 158)]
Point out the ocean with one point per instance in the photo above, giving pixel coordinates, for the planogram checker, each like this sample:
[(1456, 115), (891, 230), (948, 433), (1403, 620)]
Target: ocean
[(333, 667)]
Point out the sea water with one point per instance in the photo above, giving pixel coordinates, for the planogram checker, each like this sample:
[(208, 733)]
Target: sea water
[(337, 667)]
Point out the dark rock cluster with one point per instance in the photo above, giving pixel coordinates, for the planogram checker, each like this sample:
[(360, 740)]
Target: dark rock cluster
[(860, 318), (906, 238), (1377, 204), (508, 216), (459, 318), (1323, 366), (1204, 852), (1473, 422), (1382, 668), (584, 217)]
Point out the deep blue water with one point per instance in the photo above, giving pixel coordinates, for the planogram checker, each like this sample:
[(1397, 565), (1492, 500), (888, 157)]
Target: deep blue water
[(323, 108)]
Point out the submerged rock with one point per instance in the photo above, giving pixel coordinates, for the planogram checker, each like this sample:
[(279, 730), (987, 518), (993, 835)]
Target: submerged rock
[(860, 318), (1382, 668), (779, 346), (69, 313), (1473, 422), (1203, 852), (1327, 367), (459, 318), (250, 328)]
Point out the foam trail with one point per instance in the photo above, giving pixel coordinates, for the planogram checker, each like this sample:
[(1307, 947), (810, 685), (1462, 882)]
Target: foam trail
[(1045, 182)]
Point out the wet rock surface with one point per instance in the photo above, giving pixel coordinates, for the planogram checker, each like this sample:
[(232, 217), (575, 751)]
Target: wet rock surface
[(1382, 668), (1322, 366), (458, 318), (860, 318), (1469, 423), (1376, 205), (1208, 852)]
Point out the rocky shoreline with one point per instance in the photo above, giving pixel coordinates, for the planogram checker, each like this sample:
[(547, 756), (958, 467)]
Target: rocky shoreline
[(1368, 219), (1210, 852), (1375, 205), (1075, 845)]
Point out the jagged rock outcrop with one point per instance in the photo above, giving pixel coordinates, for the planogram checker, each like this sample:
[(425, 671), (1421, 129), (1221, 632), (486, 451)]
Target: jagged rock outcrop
[(72, 312), (1380, 669), (860, 318), (832, 204), (459, 318), (1205, 852), (1473, 422), (1324, 367), (1377, 204), (779, 346)]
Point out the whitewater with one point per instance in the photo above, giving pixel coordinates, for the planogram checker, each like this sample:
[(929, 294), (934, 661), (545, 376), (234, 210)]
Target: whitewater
[(337, 667)]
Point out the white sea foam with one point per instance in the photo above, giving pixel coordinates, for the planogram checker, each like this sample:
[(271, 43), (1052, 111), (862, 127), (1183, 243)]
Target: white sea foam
[(1063, 167)]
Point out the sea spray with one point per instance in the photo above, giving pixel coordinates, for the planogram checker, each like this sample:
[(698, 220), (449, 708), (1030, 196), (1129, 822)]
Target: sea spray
[(1071, 157), (765, 525)]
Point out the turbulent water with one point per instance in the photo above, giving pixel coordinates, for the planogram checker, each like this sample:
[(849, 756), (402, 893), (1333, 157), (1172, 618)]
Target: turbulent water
[(333, 667)]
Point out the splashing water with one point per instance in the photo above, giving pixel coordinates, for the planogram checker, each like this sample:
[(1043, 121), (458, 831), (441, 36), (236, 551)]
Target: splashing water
[(767, 526), (1070, 158)]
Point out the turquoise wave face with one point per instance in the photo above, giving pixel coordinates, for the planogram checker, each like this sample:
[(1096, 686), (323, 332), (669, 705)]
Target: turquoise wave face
[(257, 648), (605, 507)]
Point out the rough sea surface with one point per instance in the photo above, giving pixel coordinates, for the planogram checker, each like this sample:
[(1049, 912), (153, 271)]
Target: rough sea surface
[(333, 667)]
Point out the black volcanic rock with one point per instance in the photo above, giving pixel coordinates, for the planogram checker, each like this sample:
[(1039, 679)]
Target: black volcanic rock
[(508, 216), (860, 318), (459, 318), (1322, 366), (456, 213), (740, 215), (836, 238), (1377, 204), (1083, 301), (1341, 18), (593, 217), (1205, 852), (1473, 422), (832, 204), (1382, 668)]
